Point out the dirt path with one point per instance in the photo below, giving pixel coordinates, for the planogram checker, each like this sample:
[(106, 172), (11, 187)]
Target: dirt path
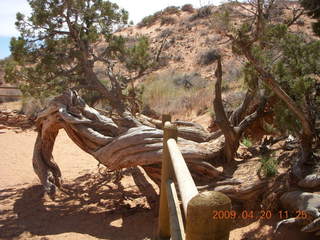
[(93, 205)]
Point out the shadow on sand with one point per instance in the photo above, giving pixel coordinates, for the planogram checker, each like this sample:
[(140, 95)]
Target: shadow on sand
[(93, 204)]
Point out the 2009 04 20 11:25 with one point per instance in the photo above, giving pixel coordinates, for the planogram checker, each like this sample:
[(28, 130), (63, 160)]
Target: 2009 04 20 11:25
[(250, 214)]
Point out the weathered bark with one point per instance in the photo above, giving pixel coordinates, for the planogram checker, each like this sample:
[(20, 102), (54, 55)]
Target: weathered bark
[(115, 144), (239, 113), (231, 137), (232, 133)]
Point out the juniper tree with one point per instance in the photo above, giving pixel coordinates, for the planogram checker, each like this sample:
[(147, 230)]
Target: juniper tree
[(62, 43), (283, 63)]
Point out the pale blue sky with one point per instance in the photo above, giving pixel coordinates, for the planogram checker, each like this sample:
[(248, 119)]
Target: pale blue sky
[(137, 10)]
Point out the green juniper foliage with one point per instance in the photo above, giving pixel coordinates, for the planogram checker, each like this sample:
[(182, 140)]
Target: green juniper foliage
[(282, 65), (268, 166), (61, 42), (294, 61), (247, 142)]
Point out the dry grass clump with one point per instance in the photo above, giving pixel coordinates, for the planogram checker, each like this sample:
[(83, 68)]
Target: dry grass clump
[(163, 15), (187, 8), (171, 10), (202, 12), (208, 57), (149, 20), (177, 93), (165, 33), (167, 20)]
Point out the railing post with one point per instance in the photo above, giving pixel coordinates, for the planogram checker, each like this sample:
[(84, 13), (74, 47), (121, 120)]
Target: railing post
[(166, 172), (200, 224), (165, 118)]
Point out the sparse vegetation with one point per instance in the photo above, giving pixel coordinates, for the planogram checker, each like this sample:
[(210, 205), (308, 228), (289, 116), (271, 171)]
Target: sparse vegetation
[(208, 57), (167, 20), (269, 166), (166, 33), (188, 8), (149, 20), (247, 142), (177, 93), (171, 10), (162, 15), (138, 57), (202, 12), (269, 128)]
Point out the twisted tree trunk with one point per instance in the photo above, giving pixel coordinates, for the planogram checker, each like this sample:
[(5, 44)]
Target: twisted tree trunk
[(234, 127), (115, 145), (120, 142)]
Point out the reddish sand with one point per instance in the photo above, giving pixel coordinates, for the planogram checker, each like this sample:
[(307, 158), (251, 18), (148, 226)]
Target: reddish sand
[(93, 206)]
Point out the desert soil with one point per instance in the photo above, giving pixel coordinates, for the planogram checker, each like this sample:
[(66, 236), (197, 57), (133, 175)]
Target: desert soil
[(94, 203)]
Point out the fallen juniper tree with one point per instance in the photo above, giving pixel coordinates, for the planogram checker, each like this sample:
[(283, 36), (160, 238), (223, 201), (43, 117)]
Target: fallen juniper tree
[(123, 140)]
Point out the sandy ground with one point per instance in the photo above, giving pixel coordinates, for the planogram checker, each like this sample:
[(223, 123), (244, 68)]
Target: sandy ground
[(92, 206)]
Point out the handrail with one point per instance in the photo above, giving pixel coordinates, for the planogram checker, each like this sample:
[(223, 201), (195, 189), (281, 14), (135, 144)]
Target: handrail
[(197, 207), (185, 182)]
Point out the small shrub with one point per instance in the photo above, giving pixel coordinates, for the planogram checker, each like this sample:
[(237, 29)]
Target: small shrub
[(165, 33), (268, 166), (247, 142), (202, 12), (171, 10), (208, 57), (149, 20), (269, 128), (221, 18), (192, 80), (225, 86), (187, 8), (137, 55), (167, 20), (163, 61)]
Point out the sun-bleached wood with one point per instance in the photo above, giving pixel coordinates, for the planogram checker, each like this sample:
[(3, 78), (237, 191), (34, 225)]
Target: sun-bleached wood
[(200, 224), (176, 221), (170, 132), (184, 179)]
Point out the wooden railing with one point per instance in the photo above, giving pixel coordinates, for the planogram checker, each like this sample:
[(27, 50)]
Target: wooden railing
[(197, 221)]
